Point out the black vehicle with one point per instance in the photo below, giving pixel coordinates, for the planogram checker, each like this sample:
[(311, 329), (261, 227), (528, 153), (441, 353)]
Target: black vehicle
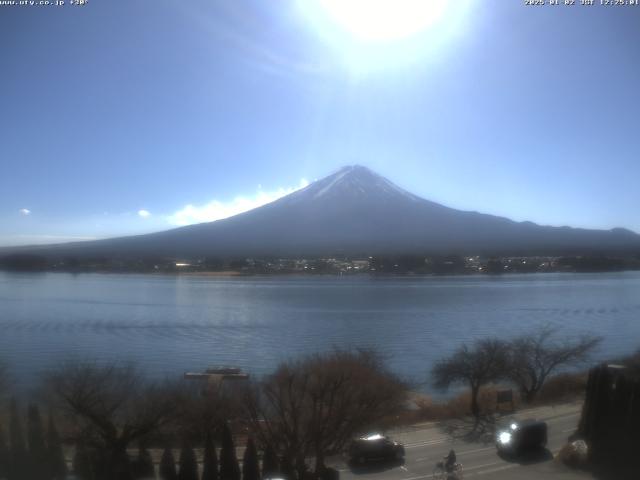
[(375, 447), (522, 436)]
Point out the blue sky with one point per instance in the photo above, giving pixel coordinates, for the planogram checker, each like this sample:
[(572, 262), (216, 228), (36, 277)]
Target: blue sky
[(124, 117)]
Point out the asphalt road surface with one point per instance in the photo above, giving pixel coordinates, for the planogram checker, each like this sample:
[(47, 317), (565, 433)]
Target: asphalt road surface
[(426, 444)]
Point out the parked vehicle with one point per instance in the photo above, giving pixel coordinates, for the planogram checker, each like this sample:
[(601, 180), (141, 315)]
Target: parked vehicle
[(375, 447), (522, 436)]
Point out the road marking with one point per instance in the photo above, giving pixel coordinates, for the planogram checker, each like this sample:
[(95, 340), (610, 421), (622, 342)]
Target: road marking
[(475, 467), (477, 450), (559, 418), (459, 454), (418, 478), (427, 443), (498, 469)]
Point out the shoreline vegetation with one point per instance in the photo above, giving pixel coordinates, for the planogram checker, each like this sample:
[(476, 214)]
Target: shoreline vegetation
[(103, 420), (404, 265)]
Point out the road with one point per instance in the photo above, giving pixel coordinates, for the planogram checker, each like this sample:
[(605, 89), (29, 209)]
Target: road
[(426, 444)]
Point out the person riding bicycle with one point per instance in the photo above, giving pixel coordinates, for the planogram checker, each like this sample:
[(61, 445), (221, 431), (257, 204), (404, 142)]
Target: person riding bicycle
[(448, 468), (450, 462)]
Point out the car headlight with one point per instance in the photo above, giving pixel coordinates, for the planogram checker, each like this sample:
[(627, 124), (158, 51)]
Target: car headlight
[(504, 438)]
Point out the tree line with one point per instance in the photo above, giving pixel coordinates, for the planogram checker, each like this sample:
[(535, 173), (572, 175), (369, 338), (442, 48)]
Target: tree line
[(112, 417), (526, 361), (307, 408), (38, 455)]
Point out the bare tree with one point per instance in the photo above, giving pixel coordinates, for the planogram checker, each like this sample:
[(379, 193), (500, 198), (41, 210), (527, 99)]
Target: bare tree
[(632, 362), (110, 406), (533, 357), (203, 412), (276, 408), (313, 406), (484, 362)]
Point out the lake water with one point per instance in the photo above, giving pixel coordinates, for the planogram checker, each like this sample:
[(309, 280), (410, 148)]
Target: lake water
[(171, 324)]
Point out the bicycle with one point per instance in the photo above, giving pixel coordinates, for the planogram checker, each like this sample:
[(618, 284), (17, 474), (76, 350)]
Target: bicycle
[(440, 472)]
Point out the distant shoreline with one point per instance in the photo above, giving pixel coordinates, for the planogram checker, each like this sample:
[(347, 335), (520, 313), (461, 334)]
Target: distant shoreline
[(237, 274), (395, 265)]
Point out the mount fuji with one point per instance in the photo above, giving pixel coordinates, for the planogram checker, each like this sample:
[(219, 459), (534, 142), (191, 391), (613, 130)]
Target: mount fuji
[(354, 211)]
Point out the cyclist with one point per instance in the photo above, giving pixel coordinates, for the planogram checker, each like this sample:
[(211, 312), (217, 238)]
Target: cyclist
[(450, 463)]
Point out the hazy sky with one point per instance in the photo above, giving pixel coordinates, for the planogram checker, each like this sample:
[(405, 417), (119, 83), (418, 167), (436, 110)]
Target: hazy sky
[(131, 116)]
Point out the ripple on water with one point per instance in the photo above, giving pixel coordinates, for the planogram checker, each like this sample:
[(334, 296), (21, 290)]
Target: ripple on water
[(170, 326)]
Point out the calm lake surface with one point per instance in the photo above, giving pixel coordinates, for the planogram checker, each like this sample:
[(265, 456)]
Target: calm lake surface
[(172, 324)]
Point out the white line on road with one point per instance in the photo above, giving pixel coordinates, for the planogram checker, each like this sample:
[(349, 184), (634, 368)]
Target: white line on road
[(475, 467), (429, 442), (464, 452), (418, 478), (477, 450), (562, 417), (498, 469)]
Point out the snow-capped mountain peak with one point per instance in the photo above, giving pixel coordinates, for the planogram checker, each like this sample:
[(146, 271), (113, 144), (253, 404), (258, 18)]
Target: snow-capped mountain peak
[(354, 182)]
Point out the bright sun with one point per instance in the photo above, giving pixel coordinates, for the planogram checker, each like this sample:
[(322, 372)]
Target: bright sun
[(384, 20), (373, 35)]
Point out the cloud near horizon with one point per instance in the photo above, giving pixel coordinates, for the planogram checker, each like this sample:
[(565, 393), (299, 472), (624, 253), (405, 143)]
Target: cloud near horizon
[(37, 239), (25, 211), (144, 213), (217, 210)]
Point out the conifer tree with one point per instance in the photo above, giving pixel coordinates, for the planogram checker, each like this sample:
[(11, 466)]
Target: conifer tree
[(17, 451), (270, 466), (57, 465), (210, 461), (229, 468), (142, 467), (168, 466), (188, 464), (286, 465), (82, 467), (4, 455), (37, 446), (250, 467)]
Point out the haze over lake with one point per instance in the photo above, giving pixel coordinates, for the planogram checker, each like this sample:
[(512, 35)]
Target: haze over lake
[(171, 324)]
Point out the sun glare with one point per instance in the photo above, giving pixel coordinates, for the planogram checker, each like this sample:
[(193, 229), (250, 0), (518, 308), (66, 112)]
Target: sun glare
[(384, 20), (370, 35)]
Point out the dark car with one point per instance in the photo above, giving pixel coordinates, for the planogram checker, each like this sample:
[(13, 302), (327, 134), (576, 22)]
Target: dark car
[(375, 447), (521, 437)]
